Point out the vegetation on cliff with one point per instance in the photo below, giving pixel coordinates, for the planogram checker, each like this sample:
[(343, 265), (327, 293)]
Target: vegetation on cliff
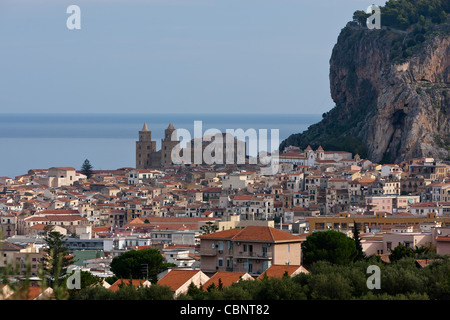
[(402, 14)]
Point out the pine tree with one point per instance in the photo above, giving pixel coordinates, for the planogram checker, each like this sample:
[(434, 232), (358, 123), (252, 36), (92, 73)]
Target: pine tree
[(86, 169), (357, 239), (56, 260)]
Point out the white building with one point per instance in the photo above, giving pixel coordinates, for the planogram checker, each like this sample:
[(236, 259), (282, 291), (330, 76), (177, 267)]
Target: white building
[(140, 175), (60, 176)]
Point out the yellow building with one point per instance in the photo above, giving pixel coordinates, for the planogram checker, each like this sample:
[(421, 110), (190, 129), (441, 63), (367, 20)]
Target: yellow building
[(345, 221)]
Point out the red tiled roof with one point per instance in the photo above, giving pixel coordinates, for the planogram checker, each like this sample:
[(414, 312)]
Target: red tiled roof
[(227, 279), (64, 168), (253, 233), (58, 218), (278, 271), (58, 211), (176, 278), (134, 282)]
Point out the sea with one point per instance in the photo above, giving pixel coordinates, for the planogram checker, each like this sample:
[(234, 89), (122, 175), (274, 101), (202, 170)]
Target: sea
[(108, 141)]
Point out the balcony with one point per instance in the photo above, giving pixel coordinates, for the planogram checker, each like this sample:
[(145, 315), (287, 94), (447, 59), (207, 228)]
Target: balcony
[(215, 251), (208, 252), (253, 255)]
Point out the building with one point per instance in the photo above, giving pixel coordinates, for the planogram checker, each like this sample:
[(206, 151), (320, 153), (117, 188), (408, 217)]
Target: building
[(146, 154), (219, 149), (442, 240), (226, 279), (252, 249), (309, 157), (60, 176), (345, 221), (137, 283), (390, 203), (278, 271), (179, 280), (8, 226)]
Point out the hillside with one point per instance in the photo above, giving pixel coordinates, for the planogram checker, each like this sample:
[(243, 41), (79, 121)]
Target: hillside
[(391, 87)]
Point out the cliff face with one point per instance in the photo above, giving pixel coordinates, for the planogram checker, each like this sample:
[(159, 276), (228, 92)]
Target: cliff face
[(392, 102)]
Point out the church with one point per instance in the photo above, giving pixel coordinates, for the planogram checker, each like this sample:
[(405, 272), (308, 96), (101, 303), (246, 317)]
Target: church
[(146, 154), (147, 157)]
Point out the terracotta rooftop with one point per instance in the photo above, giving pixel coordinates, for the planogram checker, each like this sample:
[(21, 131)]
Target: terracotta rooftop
[(227, 279), (277, 271), (134, 282), (253, 233), (176, 278)]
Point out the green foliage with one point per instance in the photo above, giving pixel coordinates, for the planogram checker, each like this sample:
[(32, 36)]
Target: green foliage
[(403, 278), (329, 287), (125, 292), (93, 293), (87, 279), (400, 280), (280, 289), (86, 169), (331, 245), (357, 240), (133, 264), (57, 257), (360, 17), (400, 252), (402, 14)]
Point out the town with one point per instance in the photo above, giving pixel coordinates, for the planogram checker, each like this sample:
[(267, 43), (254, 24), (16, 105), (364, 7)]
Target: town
[(222, 221)]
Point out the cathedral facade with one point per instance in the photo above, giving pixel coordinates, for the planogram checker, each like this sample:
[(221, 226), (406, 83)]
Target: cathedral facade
[(146, 155), (196, 152)]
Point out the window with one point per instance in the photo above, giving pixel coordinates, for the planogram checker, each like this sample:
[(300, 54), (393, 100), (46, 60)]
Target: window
[(220, 262)]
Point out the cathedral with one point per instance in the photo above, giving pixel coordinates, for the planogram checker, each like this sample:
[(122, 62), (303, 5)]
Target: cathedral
[(146, 154), (147, 157)]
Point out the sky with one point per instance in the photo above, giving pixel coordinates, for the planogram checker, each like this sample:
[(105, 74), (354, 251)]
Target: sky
[(170, 56)]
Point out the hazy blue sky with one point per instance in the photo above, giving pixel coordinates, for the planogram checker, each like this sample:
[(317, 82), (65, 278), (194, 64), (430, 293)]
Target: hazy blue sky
[(183, 56)]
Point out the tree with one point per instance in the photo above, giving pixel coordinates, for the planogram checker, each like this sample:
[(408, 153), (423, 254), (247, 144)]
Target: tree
[(57, 257), (358, 244), (86, 169), (209, 227), (360, 17), (400, 252), (332, 246), (138, 264), (155, 292)]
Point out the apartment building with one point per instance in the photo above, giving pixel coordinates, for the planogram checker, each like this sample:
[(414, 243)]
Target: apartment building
[(252, 249)]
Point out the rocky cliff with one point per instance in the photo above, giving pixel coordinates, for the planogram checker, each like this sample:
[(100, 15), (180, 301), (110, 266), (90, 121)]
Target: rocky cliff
[(392, 94)]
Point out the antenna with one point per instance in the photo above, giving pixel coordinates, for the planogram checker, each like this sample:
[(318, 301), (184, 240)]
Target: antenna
[(145, 269)]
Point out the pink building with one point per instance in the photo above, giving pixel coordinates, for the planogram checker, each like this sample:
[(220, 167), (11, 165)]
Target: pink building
[(391, 204), (443, 241), (252, 249)]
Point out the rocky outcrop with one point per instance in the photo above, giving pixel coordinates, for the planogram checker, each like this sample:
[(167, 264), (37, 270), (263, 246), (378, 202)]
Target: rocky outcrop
[(392, 95)]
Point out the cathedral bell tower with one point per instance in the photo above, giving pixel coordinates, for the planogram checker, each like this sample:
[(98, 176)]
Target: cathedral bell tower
[(145, 148), (167, 144)]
